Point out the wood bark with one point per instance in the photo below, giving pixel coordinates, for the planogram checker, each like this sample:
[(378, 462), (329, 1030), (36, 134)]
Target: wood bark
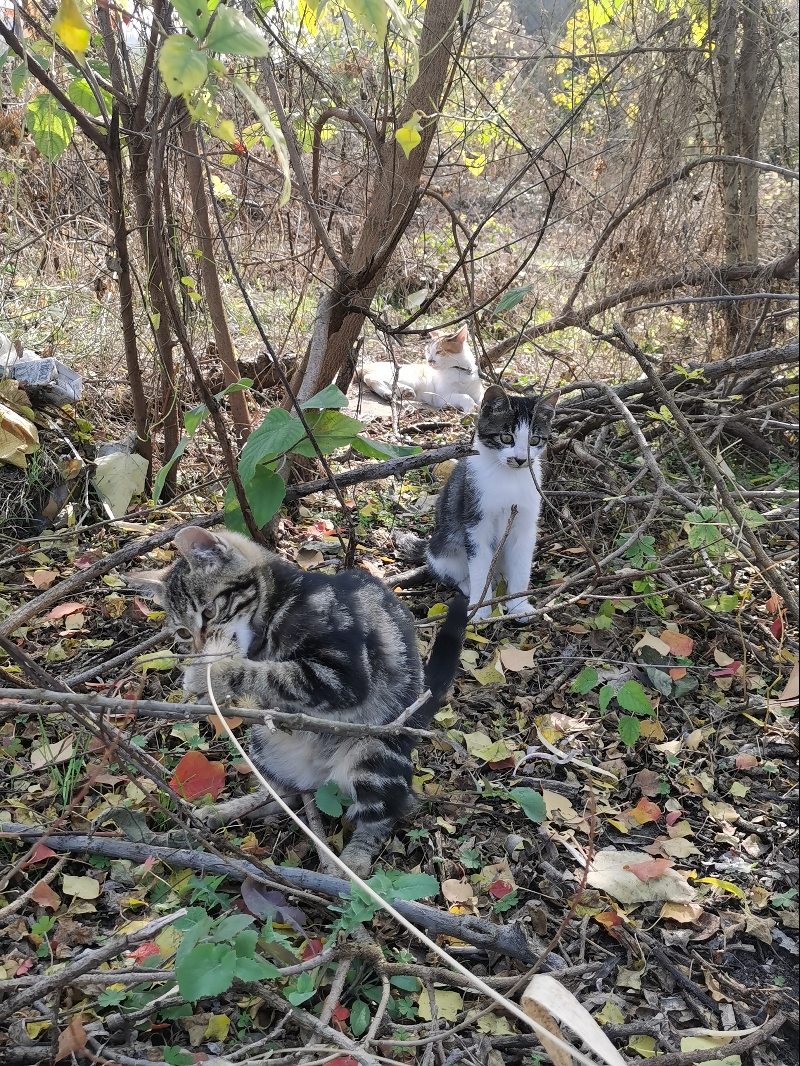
[(211, 287), (393, 198)]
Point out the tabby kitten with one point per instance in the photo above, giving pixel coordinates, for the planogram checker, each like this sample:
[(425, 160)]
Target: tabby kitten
[(474, 506), (448, 378), (341, 647)]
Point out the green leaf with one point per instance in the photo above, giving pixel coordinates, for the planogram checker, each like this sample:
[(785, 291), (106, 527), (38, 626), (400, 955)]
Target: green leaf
[(372, 16), (632, 697), (605, 696), (161, 476), (80, 92), (359, 1018), (245, 944), (234, 519), (278, 433), (585, 681), (194, 925), (176, 1056), (406, 982), (50, 126), (728, 601), (256, 969), (531, 803), (410, 886), (683, 686), (193, 418), (242, 385), (511, 298), (207, 970), (194, 14), (264, 491), (660, 680), (331, 800), (233, 34), (19, 76), (378, 449), (278, 141), (629, 730), (752, 518), (330, 396), (302, 989), (183, 66), (230, 926), (331, 430)]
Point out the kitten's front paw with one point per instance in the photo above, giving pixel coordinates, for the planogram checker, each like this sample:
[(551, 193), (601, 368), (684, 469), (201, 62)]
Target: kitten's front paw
[(482, 613), (520, 609), (220, 651)]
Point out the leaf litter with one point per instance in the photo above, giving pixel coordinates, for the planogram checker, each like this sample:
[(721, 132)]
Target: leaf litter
[(579, 792)]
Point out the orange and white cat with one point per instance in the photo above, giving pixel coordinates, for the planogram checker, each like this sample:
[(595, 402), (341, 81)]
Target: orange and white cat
[(448, 377)]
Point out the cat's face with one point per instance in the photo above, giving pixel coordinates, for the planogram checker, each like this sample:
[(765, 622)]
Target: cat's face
[(211, 590), (514, 429), (446, 352)]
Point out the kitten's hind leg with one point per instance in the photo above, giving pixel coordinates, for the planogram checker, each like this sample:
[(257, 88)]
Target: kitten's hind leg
[(380, 783), (383, 388)]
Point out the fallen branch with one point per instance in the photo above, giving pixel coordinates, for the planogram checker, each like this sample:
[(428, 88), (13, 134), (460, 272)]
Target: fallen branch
[(736, 1047), (508, 940)]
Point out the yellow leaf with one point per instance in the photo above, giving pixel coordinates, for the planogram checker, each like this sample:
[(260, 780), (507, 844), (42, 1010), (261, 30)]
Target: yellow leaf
[(482, 747), (408, 135), (217, 1028), (727, 886), (226, 131), (83, 887), (308, 15), (645, 1045), (35, 1029), (448, 1004), (73, 29), (610, 1014)]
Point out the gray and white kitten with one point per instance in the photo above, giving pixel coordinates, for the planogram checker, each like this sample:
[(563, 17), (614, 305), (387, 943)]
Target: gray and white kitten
[(474, 507), (341, 647)]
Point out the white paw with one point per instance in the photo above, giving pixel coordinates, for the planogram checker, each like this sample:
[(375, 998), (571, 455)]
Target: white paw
[(482, 613), (520, 609), (217, 650)]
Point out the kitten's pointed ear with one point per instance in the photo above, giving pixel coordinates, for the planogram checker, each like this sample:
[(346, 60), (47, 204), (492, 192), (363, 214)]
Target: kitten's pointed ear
[(149, 582), (462, 334), (495, 400), (546, 409), (200, 548), (552, 399)]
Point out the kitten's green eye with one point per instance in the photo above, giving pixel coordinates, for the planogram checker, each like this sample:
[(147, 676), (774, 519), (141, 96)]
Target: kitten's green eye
[(506, 438), (209, 612), (183, 633), (536, 439)]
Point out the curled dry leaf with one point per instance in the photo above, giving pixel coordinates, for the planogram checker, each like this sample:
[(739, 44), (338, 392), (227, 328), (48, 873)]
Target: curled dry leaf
[(678, 643), (65, 609), (52, 754), (72, 1039), (455, 891), (546, 999), (45, 896)]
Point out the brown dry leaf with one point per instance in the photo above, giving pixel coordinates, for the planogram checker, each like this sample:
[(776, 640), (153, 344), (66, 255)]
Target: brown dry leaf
[(544, 1000), (233, 723), (42, 579), (713, 986), (791, 694), (306, 557), (679, 848), (455, 891), (649, 641), (52, 754), (685, 913), (721, 811), (746, 762), (64, 609), (679, 643), (677, 673), (721, 658), (514, 659), (648, 782), (72, 1039), (760, 928), (609, 872), (708, 926), (45, 896)]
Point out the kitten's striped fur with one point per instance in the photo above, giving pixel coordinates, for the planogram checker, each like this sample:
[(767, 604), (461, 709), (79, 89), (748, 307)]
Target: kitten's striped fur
[(340, 646)]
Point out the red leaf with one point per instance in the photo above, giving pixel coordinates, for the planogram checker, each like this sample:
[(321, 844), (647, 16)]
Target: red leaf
[(339, 1016), (776, 629), (144, 951), (650, 870), (41, 853), (46, 897), (673, 817), (731, 670), (312, 948), (64, 609), (498, 889), (196, 776), (774, 603), (23, 967), (644, 812), (504, 764), (679, 643)]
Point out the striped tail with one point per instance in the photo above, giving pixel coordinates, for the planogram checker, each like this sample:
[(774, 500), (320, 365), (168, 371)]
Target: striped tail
[(443, 661)]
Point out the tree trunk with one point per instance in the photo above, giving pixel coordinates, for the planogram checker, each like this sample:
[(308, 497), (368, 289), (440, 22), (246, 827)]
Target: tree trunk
[(393, 198), (219, 323), (728, 117)]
